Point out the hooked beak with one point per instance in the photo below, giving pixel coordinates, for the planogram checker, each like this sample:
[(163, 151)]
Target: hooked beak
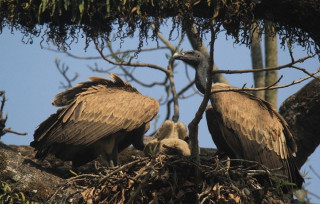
[(178, 55)]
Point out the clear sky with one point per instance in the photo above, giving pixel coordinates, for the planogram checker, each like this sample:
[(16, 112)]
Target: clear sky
[(30, 78)]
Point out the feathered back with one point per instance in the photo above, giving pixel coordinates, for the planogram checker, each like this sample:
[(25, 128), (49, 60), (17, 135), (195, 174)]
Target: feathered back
[(250, 128), (66, 97), (99, 115)]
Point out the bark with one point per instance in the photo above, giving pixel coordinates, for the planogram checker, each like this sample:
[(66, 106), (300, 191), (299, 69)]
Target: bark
[(271, 60), (302, 113), (256, 59)]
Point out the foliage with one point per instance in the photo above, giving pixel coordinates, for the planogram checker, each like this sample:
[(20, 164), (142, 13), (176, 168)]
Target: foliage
[(7, 195), (65, 21)]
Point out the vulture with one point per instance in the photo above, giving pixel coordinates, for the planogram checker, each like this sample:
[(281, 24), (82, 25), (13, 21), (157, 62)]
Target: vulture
[(98, 119), (170, 139), (244, 126)]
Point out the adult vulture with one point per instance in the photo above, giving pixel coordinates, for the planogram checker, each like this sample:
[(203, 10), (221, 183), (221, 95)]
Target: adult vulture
[(100, 118), (244, 126)]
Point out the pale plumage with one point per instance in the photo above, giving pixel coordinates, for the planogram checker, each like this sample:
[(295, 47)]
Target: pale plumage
[(169, 139), (246, 127), (100, 118)]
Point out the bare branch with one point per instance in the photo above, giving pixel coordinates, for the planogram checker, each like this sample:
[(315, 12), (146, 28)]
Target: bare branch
[(314, 171), (69, 54), (3, 120), (8, 130), (193, 125), (268, 88), (166, 42), (133, 64), (290, 50), (175, 116), (63, 71), (264, 69), (132, 78), (178, 94)]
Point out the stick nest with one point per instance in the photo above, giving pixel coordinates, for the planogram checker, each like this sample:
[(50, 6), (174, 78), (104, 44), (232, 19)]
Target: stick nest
[(171, 179)]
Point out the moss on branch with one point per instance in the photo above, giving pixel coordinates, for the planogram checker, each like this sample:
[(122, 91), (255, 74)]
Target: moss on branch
[(66, 21)]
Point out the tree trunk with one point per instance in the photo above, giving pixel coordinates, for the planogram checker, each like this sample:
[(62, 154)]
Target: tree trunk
[(271, 59), (302, 113), (256, 59)]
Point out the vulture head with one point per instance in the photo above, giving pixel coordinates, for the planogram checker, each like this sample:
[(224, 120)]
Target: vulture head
[(200, 62)]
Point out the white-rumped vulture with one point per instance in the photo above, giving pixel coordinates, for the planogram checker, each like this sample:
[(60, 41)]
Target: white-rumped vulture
[(244, 126), (100, 118)]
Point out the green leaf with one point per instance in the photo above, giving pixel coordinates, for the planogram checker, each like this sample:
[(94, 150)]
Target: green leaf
[(66, 4), (72, 172), (81, 9), (108, 7)]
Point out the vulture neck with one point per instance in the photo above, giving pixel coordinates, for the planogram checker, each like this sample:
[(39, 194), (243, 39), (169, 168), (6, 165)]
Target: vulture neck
[(201, 75)]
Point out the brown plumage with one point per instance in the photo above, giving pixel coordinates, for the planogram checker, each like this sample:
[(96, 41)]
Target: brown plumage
[(244, 126), (100, 118)]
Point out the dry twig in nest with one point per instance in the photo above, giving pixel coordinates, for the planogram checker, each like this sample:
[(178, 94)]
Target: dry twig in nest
[(170, 179)]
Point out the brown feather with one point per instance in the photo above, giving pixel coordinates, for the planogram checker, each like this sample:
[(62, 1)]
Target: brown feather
[(249, 128), (95, 111)]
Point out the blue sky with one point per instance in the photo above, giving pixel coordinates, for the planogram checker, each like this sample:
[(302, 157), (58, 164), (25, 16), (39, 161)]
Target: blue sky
[(31, 80)]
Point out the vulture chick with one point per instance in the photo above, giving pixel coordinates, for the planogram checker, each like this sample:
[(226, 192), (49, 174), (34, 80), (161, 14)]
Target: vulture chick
[(244, 126), (169, 139), (99, 118)]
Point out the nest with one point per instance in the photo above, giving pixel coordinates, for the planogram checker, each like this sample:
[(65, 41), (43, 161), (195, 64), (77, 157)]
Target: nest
[(172, 179)]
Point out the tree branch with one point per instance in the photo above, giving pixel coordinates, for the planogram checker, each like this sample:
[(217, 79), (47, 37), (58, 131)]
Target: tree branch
[(291, 64), (270, 87), (69, 54), (175, 116), (63, 71), (3, 120), (133, 64)]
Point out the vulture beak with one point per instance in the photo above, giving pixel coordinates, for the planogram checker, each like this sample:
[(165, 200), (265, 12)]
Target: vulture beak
[(178, 55)]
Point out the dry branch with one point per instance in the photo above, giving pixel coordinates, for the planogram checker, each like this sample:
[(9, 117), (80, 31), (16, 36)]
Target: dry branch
[(273, 86), (133, 64), (3, 120), (291, 64)]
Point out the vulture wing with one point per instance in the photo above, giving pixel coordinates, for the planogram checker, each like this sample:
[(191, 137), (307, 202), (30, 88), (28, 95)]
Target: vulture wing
[(246, 127), (100, 112), (101, 109), (252, 119)]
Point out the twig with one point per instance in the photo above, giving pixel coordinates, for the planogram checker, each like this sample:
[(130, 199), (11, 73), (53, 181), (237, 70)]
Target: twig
[(313, 194), (264, 69), (133, 64), (175, 116), (121, 168), (110, 55), (63, 71), (314, 171), (3, 121), (8, 130), (160, 83), (267, 88), (290, 50)]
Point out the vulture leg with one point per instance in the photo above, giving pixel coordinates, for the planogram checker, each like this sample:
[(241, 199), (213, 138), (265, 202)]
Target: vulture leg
[(112, 159), (107, 151)]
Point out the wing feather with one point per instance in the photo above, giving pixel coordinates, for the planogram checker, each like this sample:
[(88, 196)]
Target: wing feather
[(240, 112), (98, 112)]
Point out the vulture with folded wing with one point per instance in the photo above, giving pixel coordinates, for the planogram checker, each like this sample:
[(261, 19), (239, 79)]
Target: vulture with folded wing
[(99, 118), (244, 126)]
